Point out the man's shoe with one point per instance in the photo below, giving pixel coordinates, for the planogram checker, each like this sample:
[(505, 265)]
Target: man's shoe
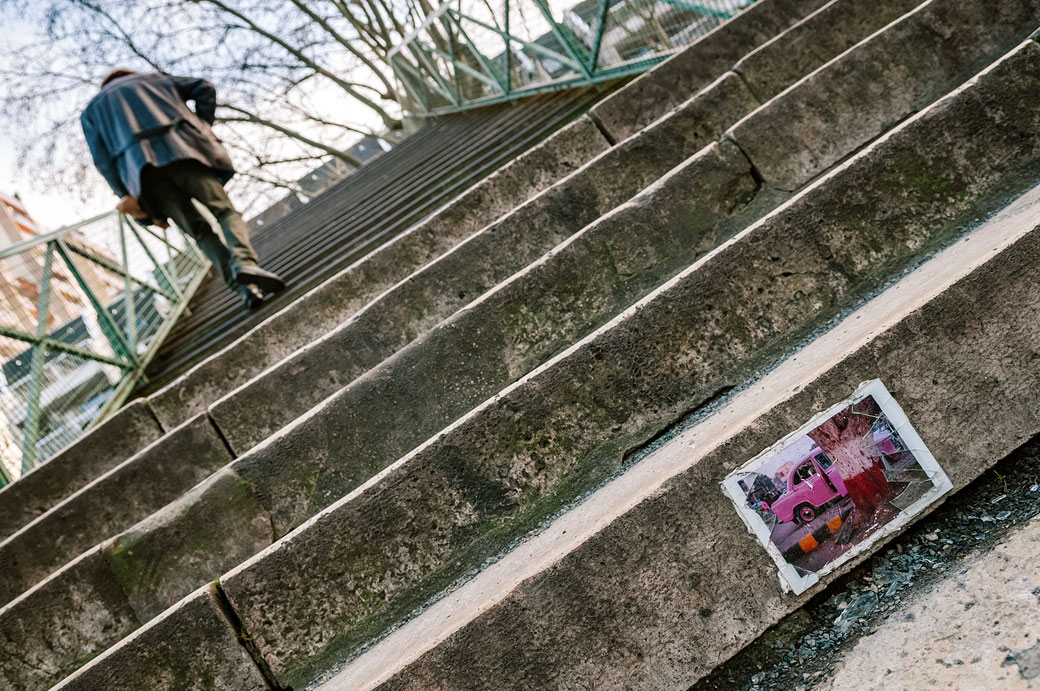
[(251, 295), (266, 281)]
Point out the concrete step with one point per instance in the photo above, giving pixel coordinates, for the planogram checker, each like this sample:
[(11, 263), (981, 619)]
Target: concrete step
[(281, 394), (311, 317), (145, 482), (253, 412), (399, 316), (337, 299), (31, 555), (515, 460), (95, 453), (145, 551), (654, 580), (518, 458)]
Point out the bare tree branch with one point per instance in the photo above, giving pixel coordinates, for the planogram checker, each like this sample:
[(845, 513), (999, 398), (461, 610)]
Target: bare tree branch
[(247, 116)]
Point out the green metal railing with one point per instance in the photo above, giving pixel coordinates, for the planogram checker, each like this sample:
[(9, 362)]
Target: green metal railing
[(470, 53), (82, 311)]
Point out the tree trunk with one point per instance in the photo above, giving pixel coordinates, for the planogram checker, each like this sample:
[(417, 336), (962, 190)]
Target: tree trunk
[(847, 439)]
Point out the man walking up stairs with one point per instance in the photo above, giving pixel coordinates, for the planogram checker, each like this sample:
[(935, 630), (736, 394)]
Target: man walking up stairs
[(158, 155)]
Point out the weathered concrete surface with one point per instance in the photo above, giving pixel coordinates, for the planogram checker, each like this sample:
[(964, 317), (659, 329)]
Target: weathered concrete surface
[(827, 32), (61, 624), (674, 585), (126, 494), (654, 93), (206, 532), (335, 300), (978, 629), (328, 366), (215, 526), (506, 333), (625, 260), (643, 481), (106, 446), (280, 395), (864, 92), (519, 457), (190, 648), (257, 410)]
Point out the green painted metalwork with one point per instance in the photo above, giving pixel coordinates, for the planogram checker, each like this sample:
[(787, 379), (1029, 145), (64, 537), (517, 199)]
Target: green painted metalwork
[(39, 355), (603, 7), (107, 293), (105, 321), (162, 274), (128, 291), (564, 38), (525, 47), (53, 344)]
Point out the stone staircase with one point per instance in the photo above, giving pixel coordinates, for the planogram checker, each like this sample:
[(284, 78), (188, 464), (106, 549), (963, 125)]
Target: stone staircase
[(574, 351)]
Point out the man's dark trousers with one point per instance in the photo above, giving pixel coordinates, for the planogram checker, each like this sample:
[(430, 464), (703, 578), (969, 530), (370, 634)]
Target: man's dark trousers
[(167, 193)]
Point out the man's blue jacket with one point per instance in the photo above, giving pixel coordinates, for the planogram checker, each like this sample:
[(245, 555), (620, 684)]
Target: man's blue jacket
[(144, 119)]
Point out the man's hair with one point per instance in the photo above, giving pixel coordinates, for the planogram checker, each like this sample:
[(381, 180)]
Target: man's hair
[(116, 74)]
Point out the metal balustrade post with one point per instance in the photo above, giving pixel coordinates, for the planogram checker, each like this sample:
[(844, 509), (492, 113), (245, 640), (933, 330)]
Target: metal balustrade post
[(485, 63), (31, 425), (162, 276), (129, 309), (509, 50), (105, 321), (563, 38), (604, 8)]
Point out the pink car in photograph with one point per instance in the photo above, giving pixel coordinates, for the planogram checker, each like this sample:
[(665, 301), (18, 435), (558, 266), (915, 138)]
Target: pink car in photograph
[(812, 485)]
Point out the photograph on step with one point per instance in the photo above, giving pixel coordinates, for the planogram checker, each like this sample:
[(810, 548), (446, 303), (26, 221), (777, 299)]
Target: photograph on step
[(842, 481)]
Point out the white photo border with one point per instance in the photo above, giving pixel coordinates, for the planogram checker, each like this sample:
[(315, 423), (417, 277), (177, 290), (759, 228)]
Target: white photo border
[(790, 578)]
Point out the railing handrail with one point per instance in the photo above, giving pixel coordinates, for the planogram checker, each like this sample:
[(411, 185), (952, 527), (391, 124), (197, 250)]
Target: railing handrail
[(522, 62), (414, 33), (125, 295), (29, 243)]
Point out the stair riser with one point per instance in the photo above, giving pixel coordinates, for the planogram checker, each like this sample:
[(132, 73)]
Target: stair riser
[(281, 395), (571, 435), (294, 328), (289, 390), (115, 501), (136, 427), (668, 84), (69, 618), (339, 298), (495, 341), (382, 416), (104, 447), (153, 595), (335, 300), (514, 461), (845, 101), (679, 578), (107, 593), (197, 649), (209, 500), (107, 507), (781, 62)]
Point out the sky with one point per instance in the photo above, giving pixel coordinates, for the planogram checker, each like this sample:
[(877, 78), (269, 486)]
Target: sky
[(49, 209)]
